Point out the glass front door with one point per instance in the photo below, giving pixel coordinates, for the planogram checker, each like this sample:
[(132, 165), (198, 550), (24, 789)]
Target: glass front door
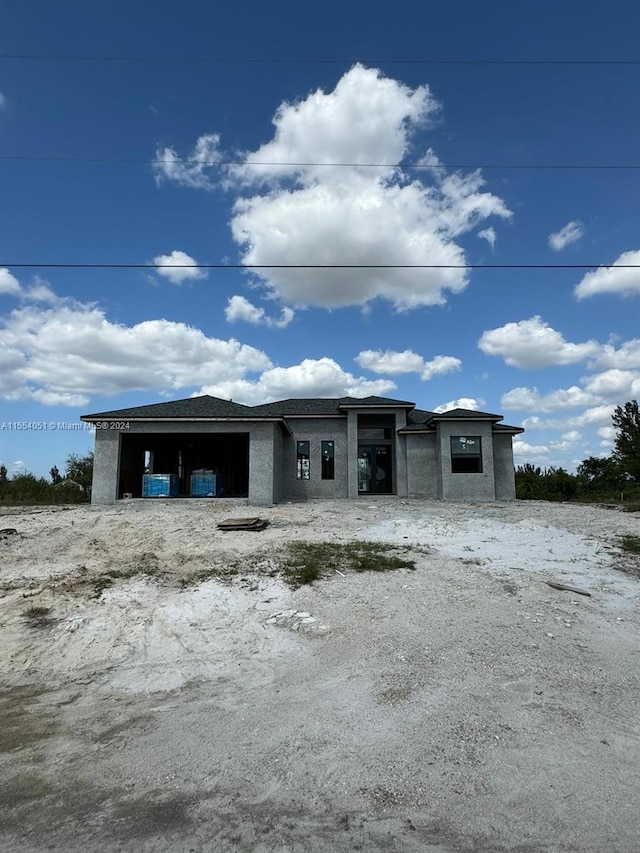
[(374, 469)]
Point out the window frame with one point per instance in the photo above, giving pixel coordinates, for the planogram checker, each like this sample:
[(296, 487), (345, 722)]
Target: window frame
[(468, 456), (327, 472), (303, 455)]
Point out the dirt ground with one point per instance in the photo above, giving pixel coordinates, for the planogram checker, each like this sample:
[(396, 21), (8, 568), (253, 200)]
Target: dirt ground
[(164, 689)]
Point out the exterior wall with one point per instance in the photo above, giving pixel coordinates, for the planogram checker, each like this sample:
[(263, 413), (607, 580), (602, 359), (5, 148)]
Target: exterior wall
[(466, 487), (503, 466), (262, 473), (106, 467), (278, 450), (423, 471), (352, 451), (315, 431), (400, 479)]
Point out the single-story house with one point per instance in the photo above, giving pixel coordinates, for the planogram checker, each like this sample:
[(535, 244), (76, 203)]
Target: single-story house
[(305, 448)]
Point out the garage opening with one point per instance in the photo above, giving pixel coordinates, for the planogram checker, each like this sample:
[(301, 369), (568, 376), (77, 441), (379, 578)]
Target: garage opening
[(226, 454)]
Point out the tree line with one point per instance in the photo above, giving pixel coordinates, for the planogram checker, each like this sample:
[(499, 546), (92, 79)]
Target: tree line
[(74, 486), (612, 478)]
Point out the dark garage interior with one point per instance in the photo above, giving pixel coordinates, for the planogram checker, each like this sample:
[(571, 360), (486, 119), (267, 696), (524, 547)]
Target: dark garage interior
[(226, 454)]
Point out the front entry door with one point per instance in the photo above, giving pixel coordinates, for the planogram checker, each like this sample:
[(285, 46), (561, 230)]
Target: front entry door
[(374, 469)]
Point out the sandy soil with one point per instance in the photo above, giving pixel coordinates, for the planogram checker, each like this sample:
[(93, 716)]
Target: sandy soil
[(180, 696)]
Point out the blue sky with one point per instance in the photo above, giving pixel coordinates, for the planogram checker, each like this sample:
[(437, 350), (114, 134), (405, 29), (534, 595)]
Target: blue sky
[(430, 146)]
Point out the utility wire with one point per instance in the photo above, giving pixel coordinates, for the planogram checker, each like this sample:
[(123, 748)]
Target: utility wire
[(308, 61), (159, 160), (83, 266)]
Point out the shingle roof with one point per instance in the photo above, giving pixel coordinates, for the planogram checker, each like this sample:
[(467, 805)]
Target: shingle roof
[(213, 407), (506, 428), (193, 407), (463, 414), (419, 416)]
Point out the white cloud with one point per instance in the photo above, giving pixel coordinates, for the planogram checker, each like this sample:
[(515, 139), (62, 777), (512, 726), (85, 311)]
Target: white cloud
[(571, 233), (524, 399), (607, 433), (613, 279), (628, 356), (240, 309), (193, 171), (66, 354), (531, 344), (178, 267), (527, 452), (8, 283), (395, 363), (356, 215), (321, 377), (572, 436), (461, 403), (489, 235)]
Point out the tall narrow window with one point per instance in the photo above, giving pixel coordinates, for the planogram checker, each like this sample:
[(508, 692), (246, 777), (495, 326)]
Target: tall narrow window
[(328, 463), (466, 454), (302, 462)]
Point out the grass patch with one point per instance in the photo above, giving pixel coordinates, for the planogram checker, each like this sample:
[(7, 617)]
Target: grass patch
[(36, 612), (38, 617), (630, 544), (305, 562)]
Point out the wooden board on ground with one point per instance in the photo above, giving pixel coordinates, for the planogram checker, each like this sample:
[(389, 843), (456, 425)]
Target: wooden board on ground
[(243, 524)]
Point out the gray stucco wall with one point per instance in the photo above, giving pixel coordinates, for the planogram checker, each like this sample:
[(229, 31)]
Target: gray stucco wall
[(315, 431), (106, 467), (423, 471), (466, 487), (262, 442), (278, 450), (504, 471)]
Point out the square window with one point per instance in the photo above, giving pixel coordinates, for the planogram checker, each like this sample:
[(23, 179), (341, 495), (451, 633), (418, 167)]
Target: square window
[(466, 454)]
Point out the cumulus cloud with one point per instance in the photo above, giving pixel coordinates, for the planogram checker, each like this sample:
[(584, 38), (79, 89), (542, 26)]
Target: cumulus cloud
[(240, 309), (523, 399), (600, 389), (613, 279), (528, 452), (531, 344), (627, 356), (395, 363), (178, 267), (460, 403), (65, 354), (305, 215), (8, 283), (489, 235), (195, 170), (321, 377), (571, 233)]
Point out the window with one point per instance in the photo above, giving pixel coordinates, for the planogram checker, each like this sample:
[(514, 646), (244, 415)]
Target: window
[(466, 454), (302, 462), (328, 464)]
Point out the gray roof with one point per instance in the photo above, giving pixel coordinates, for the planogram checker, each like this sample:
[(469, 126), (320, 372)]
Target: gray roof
[(213, 407), (465, 414), (193, 407), (207, 407)]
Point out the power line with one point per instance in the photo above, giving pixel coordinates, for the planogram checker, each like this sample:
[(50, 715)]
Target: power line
[(158, 160), (308, 61), (86, 266)]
